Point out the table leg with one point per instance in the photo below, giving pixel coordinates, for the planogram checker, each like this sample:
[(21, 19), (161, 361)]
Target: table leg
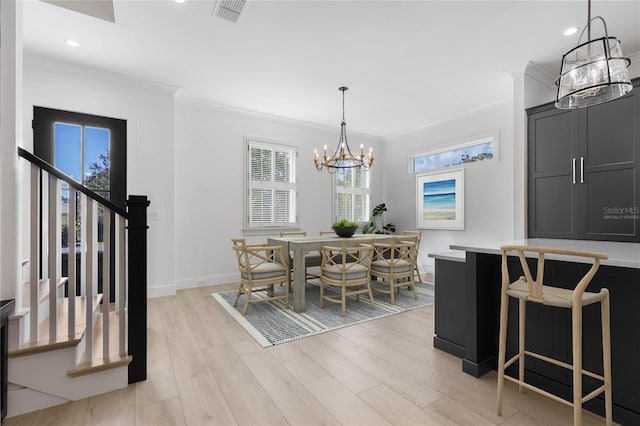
[(299, 278)]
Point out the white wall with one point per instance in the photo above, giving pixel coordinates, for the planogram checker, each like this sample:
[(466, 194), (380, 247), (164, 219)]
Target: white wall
[(209, 181), (488, 185), (10, 137), (148, 110)]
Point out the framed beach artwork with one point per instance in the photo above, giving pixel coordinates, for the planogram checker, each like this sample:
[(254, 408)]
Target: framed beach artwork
[(440, 200)]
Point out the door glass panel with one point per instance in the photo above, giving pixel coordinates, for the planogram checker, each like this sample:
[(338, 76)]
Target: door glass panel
[(96, 160), (68, 149)]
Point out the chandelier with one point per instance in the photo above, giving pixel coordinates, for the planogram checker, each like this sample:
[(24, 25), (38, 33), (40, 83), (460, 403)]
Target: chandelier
[(593, 72), (342, 157)]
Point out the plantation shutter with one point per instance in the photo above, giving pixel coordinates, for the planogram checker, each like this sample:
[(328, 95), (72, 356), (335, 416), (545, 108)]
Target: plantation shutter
[(272, 188), (352, 195)]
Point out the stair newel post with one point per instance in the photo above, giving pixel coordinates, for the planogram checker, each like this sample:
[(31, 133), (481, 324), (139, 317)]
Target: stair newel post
[(137, 300)]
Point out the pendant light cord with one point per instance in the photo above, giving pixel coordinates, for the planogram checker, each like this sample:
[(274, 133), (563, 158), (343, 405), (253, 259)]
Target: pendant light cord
[(589, 21)]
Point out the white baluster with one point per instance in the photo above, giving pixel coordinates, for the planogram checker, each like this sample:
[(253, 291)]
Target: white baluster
[(106, 283), (83, 244), (34, 251), (71, 261), (121, 294), (54, 254), (91, 277)]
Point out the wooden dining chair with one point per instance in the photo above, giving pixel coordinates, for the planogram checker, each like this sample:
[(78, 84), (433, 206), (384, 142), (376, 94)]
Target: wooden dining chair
[(311, 258), (394, 262), (529, 289), (418, 235), (345, 271), (261, 267)]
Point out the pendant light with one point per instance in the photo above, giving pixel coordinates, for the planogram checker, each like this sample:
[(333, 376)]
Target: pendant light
[(593, 72), (342, 158)]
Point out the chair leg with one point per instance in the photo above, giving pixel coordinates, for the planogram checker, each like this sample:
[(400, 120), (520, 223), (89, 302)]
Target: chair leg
[(522, 305), (576, 337), (286, 295), (418, 273), (235, 303), (606, 356), (344, 301), (247, 296), (413, 287), (321, 294), (373, 305), (502, 349), (393, 302)]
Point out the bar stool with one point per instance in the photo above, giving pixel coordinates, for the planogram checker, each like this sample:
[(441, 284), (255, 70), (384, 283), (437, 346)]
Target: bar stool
[(526, 289)]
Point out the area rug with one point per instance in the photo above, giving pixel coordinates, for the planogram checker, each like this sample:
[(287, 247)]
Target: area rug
[(269, 323)]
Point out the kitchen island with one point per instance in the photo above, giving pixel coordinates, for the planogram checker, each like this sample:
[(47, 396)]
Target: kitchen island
[(467, 302)]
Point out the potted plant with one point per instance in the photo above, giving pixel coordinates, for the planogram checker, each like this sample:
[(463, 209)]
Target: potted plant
[(376, 224), (344, 228)]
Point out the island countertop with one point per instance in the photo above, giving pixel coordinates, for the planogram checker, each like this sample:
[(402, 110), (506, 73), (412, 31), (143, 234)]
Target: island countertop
[(625, 255)]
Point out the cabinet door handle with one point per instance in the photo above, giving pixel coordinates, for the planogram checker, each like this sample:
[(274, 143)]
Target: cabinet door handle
[(581, 169), (573, 169)]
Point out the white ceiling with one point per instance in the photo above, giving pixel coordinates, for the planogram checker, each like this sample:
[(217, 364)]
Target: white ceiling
[(407, 64)]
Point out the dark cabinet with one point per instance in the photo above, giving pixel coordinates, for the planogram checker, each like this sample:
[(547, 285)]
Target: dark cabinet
[(584, 171)]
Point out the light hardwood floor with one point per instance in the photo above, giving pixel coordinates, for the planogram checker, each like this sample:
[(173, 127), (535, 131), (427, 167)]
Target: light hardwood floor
[(204, 369)]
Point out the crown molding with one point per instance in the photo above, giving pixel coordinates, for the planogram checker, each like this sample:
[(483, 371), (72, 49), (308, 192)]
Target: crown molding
[(541, 75), (452, 117), (88, 71), (190, 100)]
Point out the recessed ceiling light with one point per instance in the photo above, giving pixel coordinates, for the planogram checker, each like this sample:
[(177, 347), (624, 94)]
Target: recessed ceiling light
[(72, 43), (179, 1), (570, 31)]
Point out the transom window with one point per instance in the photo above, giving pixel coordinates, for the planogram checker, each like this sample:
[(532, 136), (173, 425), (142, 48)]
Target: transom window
[(351, 187), (271, 185), (475, 151)]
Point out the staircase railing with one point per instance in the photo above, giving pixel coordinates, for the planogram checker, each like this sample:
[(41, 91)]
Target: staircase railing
[(45, 252)]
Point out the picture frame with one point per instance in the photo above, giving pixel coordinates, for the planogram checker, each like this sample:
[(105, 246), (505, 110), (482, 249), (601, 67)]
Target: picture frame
[(440, 200)]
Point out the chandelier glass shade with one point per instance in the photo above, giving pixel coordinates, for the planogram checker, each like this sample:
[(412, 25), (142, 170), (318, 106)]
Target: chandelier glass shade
[(593, 72), (342, 157)]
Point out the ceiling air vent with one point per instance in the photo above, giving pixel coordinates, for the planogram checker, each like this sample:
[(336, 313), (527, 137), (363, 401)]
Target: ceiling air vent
[(229, 10)]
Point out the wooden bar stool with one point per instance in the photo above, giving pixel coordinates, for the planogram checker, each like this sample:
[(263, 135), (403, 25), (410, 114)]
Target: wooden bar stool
[(526, 289)]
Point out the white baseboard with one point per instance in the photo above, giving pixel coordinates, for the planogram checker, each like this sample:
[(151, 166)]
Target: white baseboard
[(205, 281), (161, 290)]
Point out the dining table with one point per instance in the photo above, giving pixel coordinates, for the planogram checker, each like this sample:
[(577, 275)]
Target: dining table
[(297, 246)]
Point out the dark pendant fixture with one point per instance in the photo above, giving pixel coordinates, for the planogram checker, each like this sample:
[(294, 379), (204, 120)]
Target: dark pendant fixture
[(342, 158), (593, 72)]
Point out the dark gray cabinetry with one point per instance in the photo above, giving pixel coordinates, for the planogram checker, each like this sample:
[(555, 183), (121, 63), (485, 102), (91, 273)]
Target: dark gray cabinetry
[(584, 171)]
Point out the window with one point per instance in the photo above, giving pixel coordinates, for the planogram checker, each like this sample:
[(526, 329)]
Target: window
[(352, 195), (478, 150), (271, 185), (82, 152)]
